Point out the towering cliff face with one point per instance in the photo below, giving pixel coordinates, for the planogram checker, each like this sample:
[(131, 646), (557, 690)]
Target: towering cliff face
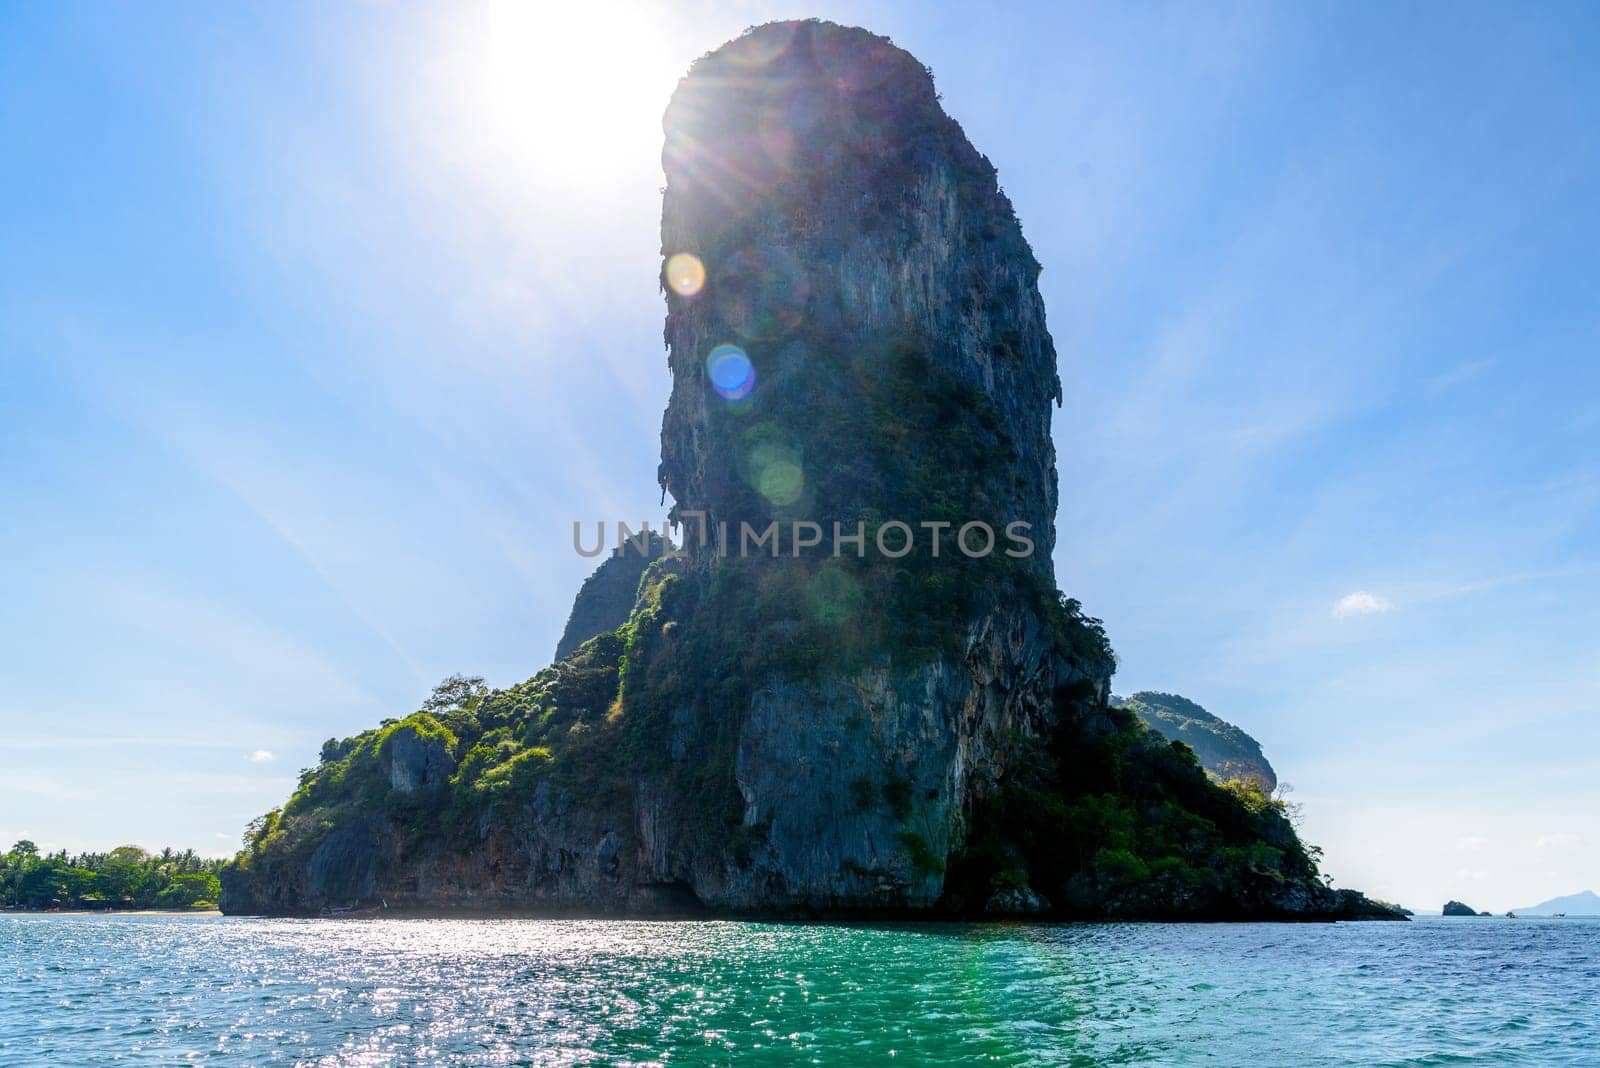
[(855, 338), (858, 251), (860, 341)]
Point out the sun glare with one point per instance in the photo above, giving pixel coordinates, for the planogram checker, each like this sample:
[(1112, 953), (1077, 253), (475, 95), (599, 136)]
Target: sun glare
[(686, 274), (568, 94)]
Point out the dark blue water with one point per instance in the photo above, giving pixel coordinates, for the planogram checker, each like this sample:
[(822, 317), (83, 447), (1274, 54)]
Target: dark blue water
[(168, 989)]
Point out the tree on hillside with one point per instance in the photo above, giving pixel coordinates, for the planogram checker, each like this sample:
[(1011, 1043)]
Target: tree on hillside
[(458, 691)]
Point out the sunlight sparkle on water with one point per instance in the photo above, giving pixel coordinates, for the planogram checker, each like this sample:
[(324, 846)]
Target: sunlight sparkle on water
[(474, 992)]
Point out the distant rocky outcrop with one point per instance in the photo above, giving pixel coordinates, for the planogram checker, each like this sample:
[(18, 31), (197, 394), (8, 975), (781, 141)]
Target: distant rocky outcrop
[(607, 597), (1583, 903), (856, 341), (1456, 908), (1225, 751)]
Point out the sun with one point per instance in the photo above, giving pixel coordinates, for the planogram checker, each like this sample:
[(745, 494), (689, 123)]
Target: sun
[(563, 95)]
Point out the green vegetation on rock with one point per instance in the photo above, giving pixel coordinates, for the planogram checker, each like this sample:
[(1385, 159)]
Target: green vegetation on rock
[(1225, 751), (606, 599), (434, 775), (1107, 819)]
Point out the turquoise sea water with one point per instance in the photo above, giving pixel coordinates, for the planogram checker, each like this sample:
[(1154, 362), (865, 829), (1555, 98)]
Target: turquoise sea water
[(167, 989)]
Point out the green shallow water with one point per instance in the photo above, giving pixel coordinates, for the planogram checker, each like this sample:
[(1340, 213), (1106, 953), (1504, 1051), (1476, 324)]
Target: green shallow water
[(166, 989)]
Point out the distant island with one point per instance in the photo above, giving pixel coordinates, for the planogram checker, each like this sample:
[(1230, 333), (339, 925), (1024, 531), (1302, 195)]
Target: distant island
[(1583, 903), (127, 877), (1457, 908)]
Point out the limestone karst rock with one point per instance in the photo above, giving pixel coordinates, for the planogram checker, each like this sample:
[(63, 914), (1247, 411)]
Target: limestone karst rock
[(866, 343), (856, 338)]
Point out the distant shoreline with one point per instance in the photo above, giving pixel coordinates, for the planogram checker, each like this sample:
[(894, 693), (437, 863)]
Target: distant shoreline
[(110, 912)]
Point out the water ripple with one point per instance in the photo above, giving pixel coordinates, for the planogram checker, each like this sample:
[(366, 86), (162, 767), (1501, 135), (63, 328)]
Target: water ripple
[(159, 989)]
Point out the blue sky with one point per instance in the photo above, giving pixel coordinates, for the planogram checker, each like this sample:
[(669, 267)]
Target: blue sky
[(319, 325)]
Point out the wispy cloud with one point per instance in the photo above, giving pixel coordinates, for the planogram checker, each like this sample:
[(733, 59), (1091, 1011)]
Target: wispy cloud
[(78, 741), (1558, 840), (31, 785), (1361, 603), (1471, 843), (261, 756), (222, 784), (1458, 375)]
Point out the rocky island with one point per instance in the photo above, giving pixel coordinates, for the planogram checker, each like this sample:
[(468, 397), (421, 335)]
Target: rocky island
[(857, 341), (1225, 751)]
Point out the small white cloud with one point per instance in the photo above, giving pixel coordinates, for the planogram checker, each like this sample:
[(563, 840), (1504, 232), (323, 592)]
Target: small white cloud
[(1361, 603), (1472, 843), (1471, 874), (224, 835), (1458, 375), (1559, 840), (261, 756)]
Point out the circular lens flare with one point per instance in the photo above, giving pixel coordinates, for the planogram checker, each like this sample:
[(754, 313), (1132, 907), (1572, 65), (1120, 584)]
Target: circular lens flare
[(732, 374), (781, 482), (772, 465), (686, 274)]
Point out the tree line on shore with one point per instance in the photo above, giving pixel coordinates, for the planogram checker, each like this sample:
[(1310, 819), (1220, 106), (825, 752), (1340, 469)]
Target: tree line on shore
[(126, 877)]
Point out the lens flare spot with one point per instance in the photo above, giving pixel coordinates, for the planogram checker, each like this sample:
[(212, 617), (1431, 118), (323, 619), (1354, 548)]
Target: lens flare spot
[(686, 274), (771, 464), (781, 482), (732, 374)]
